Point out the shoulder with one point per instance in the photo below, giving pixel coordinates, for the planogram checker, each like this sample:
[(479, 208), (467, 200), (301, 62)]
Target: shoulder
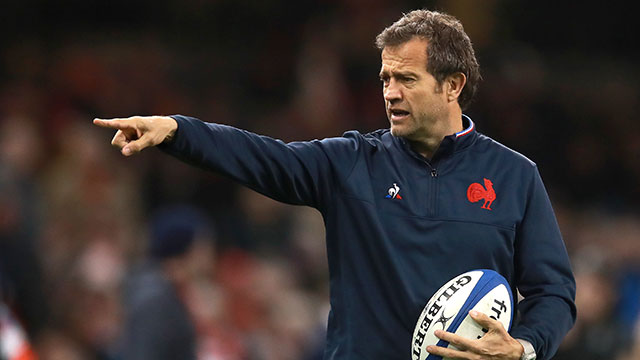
[(375, 139), (487, 146), (354, 140)]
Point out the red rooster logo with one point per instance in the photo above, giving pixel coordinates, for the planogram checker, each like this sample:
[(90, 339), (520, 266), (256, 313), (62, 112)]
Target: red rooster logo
[(477, 192)]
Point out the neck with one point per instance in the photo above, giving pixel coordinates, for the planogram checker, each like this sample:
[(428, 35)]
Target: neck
[(428, 144)]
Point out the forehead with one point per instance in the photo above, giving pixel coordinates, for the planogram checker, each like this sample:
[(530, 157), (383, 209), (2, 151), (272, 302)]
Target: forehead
[(410, 55)]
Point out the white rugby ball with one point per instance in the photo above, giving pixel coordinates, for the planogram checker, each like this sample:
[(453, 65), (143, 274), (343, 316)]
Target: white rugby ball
[(485, 291)]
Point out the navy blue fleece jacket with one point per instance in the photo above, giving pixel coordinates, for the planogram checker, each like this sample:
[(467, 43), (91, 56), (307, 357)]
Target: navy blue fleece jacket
[(398, 226)]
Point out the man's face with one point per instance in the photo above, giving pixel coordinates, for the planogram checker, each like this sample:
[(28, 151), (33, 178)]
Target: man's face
[(413, 98)]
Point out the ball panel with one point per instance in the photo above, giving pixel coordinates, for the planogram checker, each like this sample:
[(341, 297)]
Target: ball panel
[(437, 315), (483, 290), (496, 304), (483, 286)]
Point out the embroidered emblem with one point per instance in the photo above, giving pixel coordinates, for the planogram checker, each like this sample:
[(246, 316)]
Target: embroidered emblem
[(393, 192), (477, 192)]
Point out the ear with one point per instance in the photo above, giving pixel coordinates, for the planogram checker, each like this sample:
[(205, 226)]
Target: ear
[(454, 84)]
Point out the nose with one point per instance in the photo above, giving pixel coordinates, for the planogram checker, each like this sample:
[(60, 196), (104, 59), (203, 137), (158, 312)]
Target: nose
[(392, 92)]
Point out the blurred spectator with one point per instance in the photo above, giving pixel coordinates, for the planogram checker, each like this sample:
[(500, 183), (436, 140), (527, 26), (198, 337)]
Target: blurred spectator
[(85, 248), (21, 221), (157, 322), (634, 352), (597, 334)]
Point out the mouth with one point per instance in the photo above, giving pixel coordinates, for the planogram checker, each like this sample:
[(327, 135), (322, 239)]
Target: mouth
[(398, 114)]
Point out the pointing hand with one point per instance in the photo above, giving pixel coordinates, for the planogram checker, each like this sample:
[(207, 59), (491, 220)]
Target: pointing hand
[(139, 132)]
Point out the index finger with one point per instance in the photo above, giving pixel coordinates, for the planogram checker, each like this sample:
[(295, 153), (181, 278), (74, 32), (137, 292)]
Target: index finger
[(116, 123), (486, 321), (456, 340)]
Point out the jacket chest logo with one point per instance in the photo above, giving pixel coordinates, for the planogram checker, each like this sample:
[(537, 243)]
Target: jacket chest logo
[(477, 192), (394, 192)]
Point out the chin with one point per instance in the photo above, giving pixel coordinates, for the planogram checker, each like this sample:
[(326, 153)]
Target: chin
[(398, 131)]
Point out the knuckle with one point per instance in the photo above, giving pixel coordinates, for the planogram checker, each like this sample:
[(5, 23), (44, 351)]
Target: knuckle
[(141, 120)]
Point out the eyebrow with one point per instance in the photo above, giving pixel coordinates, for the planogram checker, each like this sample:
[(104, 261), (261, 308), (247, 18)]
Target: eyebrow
[(401, 74)]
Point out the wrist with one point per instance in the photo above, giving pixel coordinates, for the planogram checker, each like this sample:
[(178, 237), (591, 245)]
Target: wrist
[(516, 349), (172, 128), (528, 352)]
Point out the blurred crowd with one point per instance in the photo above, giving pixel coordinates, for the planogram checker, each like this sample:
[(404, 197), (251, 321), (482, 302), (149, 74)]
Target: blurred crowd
[(76, 217)]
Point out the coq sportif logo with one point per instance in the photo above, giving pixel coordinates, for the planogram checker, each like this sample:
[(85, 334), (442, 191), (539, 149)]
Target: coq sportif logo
[(394, 192), (477, 192)]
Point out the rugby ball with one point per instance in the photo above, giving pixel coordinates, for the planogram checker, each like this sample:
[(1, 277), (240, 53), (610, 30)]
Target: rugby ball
[(484, 291)]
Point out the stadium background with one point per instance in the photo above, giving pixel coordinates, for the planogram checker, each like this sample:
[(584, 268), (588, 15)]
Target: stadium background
[(560, 85)]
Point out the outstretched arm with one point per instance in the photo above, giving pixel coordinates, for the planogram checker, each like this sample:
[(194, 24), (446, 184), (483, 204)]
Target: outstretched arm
[(139, 132), (301, 173)]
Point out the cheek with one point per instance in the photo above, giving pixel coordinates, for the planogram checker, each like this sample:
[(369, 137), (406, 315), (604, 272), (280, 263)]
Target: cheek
[(421, 101)]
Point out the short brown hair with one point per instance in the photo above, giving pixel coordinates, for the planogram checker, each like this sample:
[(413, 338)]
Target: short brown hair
[(449, 49)]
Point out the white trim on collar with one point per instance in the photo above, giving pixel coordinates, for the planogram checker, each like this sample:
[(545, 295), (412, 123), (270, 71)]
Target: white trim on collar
[(468, 129)]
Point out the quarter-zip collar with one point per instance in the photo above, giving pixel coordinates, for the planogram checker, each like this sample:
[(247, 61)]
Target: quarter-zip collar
[(450, 144), (458, 141)]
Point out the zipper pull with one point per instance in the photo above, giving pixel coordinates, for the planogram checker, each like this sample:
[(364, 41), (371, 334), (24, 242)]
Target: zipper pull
[(434, 172)]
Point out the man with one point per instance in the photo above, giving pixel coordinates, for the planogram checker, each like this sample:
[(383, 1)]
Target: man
[(404, 208)]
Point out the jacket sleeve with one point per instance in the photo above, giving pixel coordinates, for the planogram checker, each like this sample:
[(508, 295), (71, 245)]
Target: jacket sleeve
[(544, 276), (298, 173)]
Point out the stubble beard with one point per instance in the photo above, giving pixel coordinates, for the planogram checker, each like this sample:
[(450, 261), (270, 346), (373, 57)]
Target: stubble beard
[(395, 131), (406, 130)]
